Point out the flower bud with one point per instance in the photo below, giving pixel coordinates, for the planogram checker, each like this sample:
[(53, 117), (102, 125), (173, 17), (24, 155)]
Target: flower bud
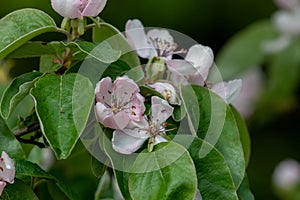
[(155, 69), (78, 8)]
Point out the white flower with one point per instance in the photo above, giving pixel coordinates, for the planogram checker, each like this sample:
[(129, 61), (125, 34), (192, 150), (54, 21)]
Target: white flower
[(286, 174), (156, 43), (168, 91)]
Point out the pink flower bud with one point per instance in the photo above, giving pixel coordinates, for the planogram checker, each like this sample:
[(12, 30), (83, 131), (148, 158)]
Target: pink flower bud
[(78, 8)]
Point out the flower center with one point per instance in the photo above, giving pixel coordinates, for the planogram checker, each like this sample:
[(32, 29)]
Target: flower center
[(164, 48)]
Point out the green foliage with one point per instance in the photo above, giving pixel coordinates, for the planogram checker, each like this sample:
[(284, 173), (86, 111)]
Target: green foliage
[(207, 156), (63, 108), (16, 34), (245, 49)]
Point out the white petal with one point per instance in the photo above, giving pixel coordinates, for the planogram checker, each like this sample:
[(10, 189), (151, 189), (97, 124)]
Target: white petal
[(159, 139), (161, 34), (138, 40), (181, 67), (168, 91), (67, 8), (160, 110), (228, 91), (277, 45), (93, 8), (202, 58), (125, 142), (287, 22)]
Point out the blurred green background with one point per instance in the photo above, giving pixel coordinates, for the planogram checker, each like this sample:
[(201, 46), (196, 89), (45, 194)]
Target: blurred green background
[(212, 23)]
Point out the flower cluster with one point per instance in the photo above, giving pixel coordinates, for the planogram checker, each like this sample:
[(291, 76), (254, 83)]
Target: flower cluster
[(193, 69), (120, 106), (7, 171)]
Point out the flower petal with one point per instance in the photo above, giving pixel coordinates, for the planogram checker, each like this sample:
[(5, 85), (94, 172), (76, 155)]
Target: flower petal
[(93, 7), (2, 186), (67, 8), (202, 58), (106, 117), (103, 90), (160, 110), (228, 91), (287, 22), (7, 172), (138, 40), (137, 107), (125, 142), (181, 67), (159, 139), (124, 89), (168, 91), (287, 4)]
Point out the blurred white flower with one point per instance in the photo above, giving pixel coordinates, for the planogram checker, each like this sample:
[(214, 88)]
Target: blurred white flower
[(286, 175)]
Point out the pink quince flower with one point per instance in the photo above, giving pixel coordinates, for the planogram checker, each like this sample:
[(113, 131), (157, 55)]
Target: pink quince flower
[(118, 102), (7, 171), (156, 43), (78, 8), (130, 139), (195, 67)]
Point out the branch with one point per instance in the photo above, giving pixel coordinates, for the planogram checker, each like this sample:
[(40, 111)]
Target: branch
[(26, 130)]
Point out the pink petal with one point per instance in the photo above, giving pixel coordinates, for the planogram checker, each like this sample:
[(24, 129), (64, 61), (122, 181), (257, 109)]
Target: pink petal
[(2, 186), (287, 4), (228, 91), (137, 107), (103, 90), (126, 143), (93, 7), (138, 40), (160, 110), (106, 117), (124, 89), (67, 8), (7, 164), (181, 67)]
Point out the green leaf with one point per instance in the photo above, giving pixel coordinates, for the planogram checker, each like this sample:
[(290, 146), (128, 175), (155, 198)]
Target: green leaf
[(102, 52), (63, 104), (37, 49), (18, 191), (214, 177), (191, 105), (161, 174), (46, 64), (284, 73), (17, 90), (21, 26), (107, 32), (26, 168), (8, 142), (245, 49), (244, 192), (244, 134), (217, 126)]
